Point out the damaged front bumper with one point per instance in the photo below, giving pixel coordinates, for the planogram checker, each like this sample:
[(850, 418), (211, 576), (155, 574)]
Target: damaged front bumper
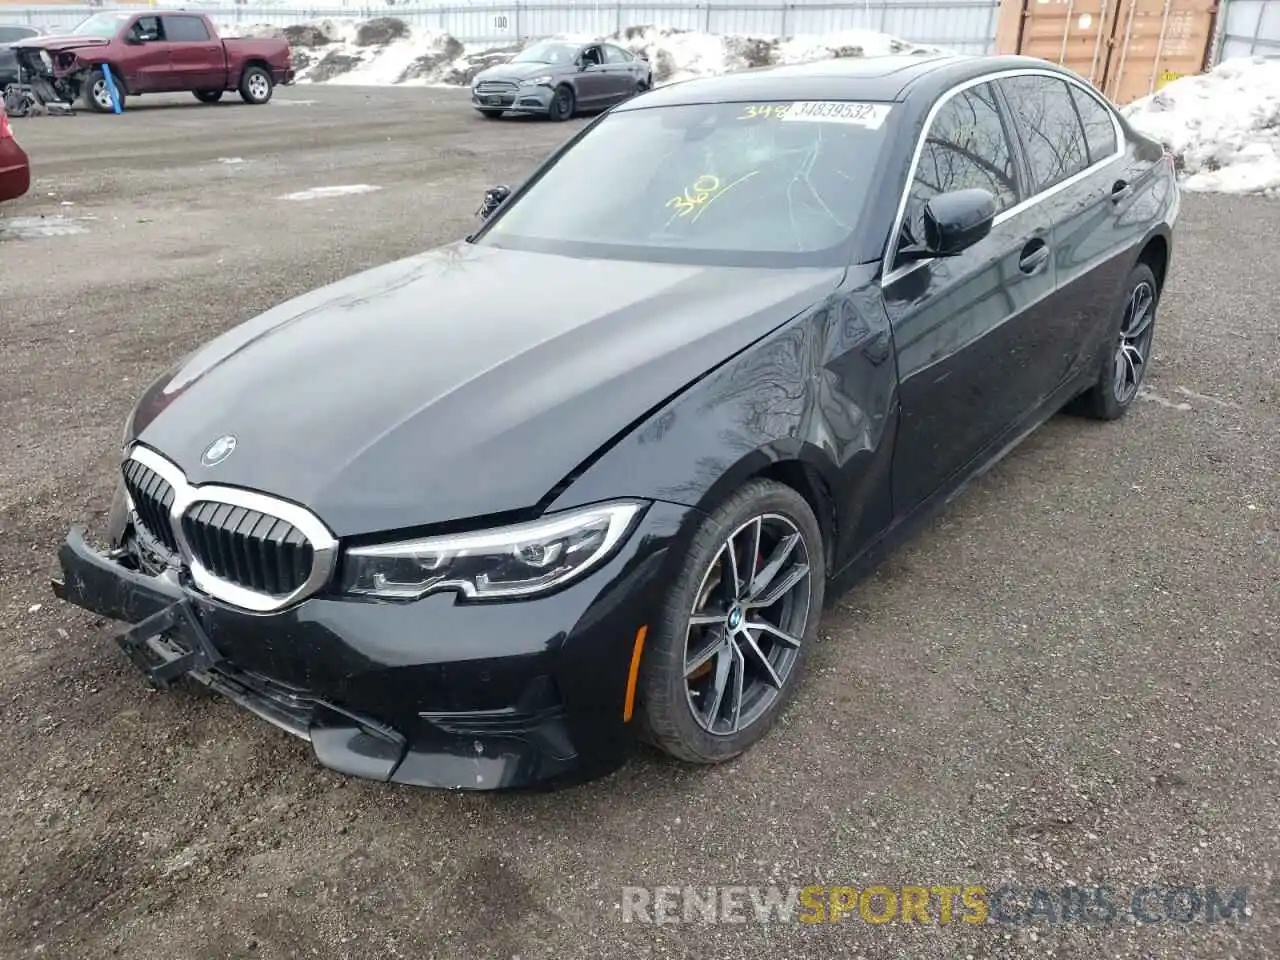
[(432, 693)]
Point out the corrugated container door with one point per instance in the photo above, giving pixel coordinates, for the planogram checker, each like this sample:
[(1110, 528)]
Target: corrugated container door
[(1157, 41)]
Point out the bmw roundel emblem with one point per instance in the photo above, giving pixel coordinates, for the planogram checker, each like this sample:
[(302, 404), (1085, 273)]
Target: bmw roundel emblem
[(218, 451)]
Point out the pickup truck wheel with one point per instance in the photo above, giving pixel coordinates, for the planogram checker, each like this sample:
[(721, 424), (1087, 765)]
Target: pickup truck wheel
[(208, 96), (97, 96), (255, 86)]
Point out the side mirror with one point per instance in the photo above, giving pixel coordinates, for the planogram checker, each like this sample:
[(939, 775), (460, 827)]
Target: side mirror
[(957, 220), (132, 39), (494, 197), (953, 222)]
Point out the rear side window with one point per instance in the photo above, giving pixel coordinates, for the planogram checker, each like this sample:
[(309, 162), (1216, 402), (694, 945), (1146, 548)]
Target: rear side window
[(616, 54), (1099, 130), (1049, 126), (185, 30), (966, 147)]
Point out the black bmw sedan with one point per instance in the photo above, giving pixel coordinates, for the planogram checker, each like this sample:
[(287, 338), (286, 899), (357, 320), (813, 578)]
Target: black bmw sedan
[(489, 516)]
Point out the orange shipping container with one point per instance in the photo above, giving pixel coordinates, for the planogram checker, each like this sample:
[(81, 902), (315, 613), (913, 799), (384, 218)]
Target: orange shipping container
[(1126, 48)]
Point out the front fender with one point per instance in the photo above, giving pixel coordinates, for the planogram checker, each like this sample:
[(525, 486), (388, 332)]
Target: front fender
[(819, 393)]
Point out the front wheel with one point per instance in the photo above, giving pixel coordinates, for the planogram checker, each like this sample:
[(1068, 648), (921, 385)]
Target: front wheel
[(1123, 368), (208, 96), (97, 95), (255, 86), (726, 648), (562, 104)]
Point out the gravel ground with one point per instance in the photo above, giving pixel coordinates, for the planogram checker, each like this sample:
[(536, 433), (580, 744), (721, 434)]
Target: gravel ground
[(1070, 677)]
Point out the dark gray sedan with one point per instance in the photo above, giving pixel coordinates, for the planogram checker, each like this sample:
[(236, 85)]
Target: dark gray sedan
[(556, 78)]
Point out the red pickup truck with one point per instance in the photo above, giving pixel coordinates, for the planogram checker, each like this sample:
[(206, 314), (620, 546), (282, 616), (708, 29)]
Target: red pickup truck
[(152, 52)]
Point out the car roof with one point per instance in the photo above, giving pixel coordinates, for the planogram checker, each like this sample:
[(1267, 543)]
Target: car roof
[(893, 78)]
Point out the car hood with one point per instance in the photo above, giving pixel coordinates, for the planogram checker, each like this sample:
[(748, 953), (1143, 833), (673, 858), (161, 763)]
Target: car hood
[(517, 71), (55, 42), (466, 381)]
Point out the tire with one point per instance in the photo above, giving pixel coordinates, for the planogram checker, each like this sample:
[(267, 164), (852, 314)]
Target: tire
[(491, 114), (207, 96), (1123, 367), (676, 713), (563, 104), (95, 94), (256, 86)]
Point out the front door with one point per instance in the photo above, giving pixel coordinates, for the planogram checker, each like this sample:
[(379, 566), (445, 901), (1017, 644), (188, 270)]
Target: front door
[(147, 65), (593, 77), (959, 323)]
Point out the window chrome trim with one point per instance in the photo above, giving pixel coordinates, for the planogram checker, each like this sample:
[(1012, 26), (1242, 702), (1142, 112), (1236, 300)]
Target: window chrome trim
[(324, 545), (891, 247)]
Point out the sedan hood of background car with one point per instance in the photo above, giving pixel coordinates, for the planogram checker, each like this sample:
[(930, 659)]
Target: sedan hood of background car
[(462, 382)]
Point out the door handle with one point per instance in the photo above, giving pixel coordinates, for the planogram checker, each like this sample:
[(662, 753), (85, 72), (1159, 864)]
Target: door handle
[(1120, 189), (1034, 256)]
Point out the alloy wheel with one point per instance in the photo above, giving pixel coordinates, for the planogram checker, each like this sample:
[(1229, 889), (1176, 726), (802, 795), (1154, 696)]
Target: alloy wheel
[(1134, 346), (102, 95), (258, 87), (749, 615)]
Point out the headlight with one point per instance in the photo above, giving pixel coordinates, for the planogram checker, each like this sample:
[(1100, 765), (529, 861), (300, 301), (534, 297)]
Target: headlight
[(522, 560), (537, 81)]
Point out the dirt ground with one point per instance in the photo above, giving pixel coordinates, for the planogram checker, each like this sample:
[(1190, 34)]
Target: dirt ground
[(1070, 677)]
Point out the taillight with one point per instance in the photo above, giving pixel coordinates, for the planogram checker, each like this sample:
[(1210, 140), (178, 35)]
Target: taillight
[(5, 132)]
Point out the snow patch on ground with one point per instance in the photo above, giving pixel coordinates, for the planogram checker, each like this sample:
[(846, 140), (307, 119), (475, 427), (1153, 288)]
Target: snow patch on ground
[(1223, 127), (387, 51), (322, 193)]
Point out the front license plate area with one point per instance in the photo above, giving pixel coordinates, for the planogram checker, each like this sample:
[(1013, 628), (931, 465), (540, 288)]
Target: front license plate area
[(168, 645)]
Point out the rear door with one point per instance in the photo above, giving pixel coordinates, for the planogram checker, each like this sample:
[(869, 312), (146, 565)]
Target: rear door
[(618, 64), (1075, 152), (961, 323), (196, 56)]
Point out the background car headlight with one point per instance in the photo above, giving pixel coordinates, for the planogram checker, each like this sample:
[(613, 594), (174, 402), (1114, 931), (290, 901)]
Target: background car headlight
[(522, 560), (536, 82)]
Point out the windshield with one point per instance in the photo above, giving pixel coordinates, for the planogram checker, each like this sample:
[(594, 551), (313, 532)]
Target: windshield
[(733, 184), (100, 25), (561, 53)]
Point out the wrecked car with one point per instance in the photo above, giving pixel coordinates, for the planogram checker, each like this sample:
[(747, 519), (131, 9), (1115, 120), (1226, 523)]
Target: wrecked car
[(151, 53)]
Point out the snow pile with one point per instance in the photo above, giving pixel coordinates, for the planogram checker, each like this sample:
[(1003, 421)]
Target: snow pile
[(386, 50), (1223, 127)]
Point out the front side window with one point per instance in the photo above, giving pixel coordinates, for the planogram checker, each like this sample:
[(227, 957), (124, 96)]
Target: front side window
[(185, 29), (1099, 129), (966, 147), (1049, 126), (734, 184), (148, 28)]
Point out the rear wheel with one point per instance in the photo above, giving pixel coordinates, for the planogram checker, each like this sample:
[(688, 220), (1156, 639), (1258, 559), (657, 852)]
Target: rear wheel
[(727, 646), (97, 96), (1123, 368), (562, 104), (208, 96), (255, 85)]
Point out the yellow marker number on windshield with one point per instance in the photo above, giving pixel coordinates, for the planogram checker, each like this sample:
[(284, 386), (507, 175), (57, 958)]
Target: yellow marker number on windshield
[(760, 111), (698, 197)]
